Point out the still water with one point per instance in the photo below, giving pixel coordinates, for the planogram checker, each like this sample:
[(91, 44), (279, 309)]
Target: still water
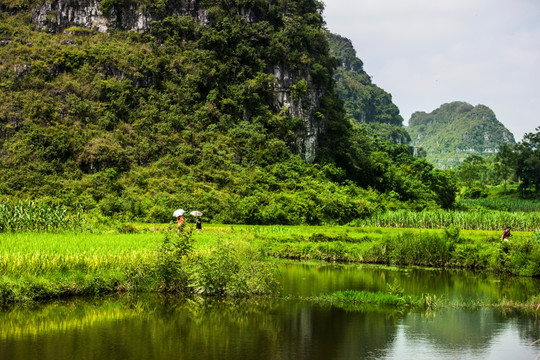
[(156, 327)]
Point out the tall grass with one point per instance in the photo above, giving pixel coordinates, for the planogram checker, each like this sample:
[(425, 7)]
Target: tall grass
[(34, 216), (438, 219), (350, 300), (432, 248)]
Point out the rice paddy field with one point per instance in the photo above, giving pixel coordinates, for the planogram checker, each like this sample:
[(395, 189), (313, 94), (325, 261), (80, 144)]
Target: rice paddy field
[(41, 253), (235, 259)]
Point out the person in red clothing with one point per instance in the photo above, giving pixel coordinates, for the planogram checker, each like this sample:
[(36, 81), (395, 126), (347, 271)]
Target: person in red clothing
[(506, 234), (180, 220)]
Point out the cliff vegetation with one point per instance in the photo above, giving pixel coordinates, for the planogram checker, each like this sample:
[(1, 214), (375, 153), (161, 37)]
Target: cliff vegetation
[(457, 130), (229, 108)]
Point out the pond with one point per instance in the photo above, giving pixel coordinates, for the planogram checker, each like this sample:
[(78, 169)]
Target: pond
[(169, 327)]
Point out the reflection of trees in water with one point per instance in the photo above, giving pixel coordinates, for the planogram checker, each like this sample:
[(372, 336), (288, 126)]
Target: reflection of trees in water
[(271, 329), (168, 327), (529, 329), (449, 328), (309, 280), (313, 332)]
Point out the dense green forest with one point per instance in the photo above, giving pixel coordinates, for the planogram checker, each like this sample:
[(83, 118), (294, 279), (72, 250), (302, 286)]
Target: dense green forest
[(514, 170), (132, 125)]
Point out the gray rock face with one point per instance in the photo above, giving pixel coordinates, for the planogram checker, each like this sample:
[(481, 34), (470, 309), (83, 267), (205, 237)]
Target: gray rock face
[(57, 15), (304, 107)]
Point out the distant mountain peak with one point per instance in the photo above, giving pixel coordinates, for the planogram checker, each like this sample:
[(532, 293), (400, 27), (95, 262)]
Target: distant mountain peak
[(456, 130)]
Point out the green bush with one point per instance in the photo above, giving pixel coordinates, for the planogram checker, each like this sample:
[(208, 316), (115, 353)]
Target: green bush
[(173, 263)]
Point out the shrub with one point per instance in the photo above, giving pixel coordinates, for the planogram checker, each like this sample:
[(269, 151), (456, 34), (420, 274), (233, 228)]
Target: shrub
[(174, 255)]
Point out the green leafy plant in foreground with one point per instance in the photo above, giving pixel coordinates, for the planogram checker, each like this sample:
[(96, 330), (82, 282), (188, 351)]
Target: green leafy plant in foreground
[(225, 270), (173, 260)]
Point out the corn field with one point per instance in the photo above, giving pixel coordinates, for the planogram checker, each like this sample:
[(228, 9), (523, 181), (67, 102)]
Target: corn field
[(438, 219), (34, 216)]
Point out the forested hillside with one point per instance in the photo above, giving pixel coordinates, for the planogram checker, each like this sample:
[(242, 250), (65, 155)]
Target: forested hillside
[(232, 112), (364, 101), (457, 130)]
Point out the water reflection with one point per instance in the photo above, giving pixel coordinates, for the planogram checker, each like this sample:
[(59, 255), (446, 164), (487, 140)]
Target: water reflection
[(158, 327), (312, 280)]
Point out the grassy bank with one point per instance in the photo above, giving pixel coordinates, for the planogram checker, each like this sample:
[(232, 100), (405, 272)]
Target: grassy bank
[(234, 260), (447, 248)]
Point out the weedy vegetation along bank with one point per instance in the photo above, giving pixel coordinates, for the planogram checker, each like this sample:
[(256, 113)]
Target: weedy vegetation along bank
[(443, 249), (351, 300)]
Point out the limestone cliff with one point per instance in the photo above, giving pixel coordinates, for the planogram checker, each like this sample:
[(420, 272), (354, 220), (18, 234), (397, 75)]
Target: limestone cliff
[(456, 130), (58, 15), (364, 101)]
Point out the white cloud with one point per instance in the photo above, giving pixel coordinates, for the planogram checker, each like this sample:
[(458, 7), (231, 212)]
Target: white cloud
[(426, 53)]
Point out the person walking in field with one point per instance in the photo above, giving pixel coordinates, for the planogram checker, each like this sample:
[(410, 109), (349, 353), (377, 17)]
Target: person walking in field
[(506, 234)]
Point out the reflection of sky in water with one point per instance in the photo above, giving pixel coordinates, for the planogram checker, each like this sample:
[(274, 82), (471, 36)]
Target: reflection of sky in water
[(504, 344)]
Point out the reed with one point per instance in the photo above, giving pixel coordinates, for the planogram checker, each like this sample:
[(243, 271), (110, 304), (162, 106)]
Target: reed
[(351, 299)]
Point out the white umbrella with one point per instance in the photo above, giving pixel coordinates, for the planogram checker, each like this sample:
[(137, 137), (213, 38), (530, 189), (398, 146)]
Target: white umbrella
[(178, 213), (196, 213)]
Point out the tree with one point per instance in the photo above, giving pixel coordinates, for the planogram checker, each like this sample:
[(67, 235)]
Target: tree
[(505, 163), (472, 170), (528, 162)]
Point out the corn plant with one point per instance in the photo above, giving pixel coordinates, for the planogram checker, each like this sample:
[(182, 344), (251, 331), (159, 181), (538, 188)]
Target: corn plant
[(35, 216), (438, 219)]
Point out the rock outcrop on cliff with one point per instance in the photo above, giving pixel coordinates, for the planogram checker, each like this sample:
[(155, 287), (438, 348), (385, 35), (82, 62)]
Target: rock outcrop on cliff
[(57, 15)]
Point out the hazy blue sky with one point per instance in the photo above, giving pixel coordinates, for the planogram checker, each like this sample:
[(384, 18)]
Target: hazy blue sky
[(430, 52)]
